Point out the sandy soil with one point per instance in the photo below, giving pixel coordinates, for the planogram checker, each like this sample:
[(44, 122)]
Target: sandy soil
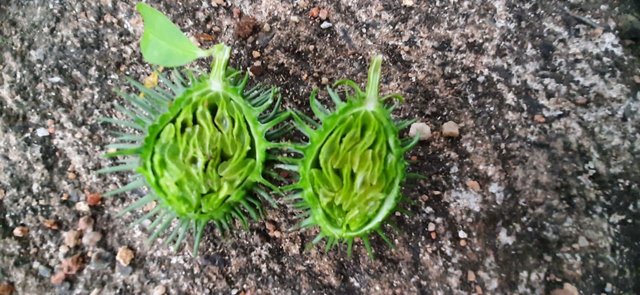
[(545, 94)]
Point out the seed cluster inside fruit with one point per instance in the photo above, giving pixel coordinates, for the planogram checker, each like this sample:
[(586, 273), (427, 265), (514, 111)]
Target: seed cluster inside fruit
[(350, 178), (201, 158)]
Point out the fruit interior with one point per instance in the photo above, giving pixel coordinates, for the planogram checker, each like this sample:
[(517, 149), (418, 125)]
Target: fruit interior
[(352, 172), (203, 156)]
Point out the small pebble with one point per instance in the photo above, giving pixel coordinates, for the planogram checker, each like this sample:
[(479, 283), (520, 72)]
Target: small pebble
[(450, 129), (82, 207), (431, 226), (50, 224), (407, 3), (324, 81), (463, 243), (539, 119), (313, 13), (473, 185), (58, 278), (462, 234), (323, 14), (71, 175), (44, 271), (21, 231), (471, 276), (266, 28), (581, 101), (125, 255), (72, 238), (6, 288), (42, 132), (91, 238), (85, 223), (608, 288), (72, 264), (294, 19), (101, 259), (255, 54), (478, 290), (583, 242), (159, 290), (326, 25), (93, 199), (421, 129), (433, 235), (567, 289)]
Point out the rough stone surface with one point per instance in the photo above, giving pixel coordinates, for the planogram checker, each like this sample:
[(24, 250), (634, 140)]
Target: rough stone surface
[(450, 129), (489, 65), (421, 129)]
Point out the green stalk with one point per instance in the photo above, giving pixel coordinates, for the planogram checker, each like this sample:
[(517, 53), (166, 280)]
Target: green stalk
[(373, 83), (221, 54)]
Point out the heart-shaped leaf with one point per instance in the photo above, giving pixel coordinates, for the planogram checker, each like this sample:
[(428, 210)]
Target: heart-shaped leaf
[(163, 43)]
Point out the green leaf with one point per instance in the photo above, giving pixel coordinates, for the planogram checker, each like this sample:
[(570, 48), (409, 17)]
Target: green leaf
[(163, 43)]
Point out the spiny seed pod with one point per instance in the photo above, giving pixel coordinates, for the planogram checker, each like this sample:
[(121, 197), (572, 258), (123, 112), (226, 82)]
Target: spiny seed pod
[(200, 147), (353, 165)]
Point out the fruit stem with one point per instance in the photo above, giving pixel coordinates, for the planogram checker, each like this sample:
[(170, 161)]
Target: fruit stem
[(373, 82), (221, 54)]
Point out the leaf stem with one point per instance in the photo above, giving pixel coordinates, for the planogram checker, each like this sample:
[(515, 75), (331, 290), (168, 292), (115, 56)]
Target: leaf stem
[(373, 82), (221, 54)]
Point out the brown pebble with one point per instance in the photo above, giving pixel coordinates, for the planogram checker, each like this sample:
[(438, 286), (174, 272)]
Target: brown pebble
[(65, 196), (6, 288), (473, 185), (204, 37), (313, 13), (450, 129), (256, 70), (270, 226), (2, 194), (478, 290), (93, 199), (255, 54), (245, 27), (85, 223), (582, 101), (72, 238), (414, 158), (21, 231), (237, 13), (125, 255), (324, 14), (58, 278), (463, 243), (72, 264), (433, 235), (539, 118), (50, 224), (471, 276), (71, 175), (149, 206)]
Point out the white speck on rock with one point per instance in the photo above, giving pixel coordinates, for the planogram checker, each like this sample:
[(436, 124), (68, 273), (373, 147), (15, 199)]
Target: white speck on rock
[(504, 239), (466, 199), (42, 132), (462, 234), (326, 25), (159, 290), (497, 191), (421, 129), (431, 226)]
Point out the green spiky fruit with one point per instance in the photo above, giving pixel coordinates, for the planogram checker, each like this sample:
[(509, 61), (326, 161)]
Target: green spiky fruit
[(353, 165), (200, 149)]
